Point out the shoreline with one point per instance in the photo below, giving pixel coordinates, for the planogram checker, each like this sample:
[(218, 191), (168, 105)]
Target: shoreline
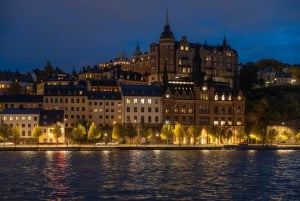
[(148, 147)]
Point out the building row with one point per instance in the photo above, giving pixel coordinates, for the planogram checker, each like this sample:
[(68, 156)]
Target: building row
[(175, 82)]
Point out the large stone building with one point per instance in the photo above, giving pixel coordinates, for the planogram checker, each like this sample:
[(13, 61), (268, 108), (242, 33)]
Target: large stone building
[(219, 63)]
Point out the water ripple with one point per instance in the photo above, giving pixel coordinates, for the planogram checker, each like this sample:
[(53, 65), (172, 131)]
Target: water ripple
[(150, 175)]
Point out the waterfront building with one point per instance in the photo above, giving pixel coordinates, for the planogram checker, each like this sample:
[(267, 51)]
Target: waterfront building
[(141, 104), (50, 120), (25, 118)]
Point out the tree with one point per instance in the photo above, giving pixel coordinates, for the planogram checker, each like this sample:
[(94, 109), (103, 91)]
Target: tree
[(37, 132), (145, 132), (117, 132), (248, 76), (194, 131), (5, 132), (78, 132), (16, 132), (94, 132), (130, 131), (213, 131), (179, 132), (272, 134), (57, 132), (166, 133), (297, 137)]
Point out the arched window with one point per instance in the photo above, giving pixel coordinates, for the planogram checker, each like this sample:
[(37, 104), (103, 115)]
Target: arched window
[(167, 109), (216, 96), (183, 109), (190, 109), (176, 108)]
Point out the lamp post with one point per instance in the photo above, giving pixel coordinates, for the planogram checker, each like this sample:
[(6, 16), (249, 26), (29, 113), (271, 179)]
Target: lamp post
[(105, 138), (157, 138)]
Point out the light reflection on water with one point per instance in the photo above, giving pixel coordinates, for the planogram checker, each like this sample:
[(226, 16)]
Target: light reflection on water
[(150, 175)]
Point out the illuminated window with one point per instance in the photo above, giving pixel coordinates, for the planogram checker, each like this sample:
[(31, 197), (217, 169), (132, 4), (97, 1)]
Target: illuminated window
[(29, 118), (181, 47), (223, 97), (216, 123), (183, 109), (128, 100), (23, 118), (135, 100), (191, 109), (167, 109), (186, 48), (216, 97), (176, 108), (142, 101), (149, 100)]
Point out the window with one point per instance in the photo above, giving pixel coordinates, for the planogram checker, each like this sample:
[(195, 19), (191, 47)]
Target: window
[(149, 109), (142, 109), (149, 100), (135, 100), (142, 101), (128, 109), (216, 96), (128, 100), (135, 109)]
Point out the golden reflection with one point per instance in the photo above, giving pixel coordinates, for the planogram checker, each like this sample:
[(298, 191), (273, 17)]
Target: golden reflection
[(281, 151)]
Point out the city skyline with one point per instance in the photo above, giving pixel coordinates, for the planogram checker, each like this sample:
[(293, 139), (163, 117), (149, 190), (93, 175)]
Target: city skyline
[(78, 34)]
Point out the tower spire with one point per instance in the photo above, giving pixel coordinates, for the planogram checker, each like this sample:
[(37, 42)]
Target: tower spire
[(167, 18)]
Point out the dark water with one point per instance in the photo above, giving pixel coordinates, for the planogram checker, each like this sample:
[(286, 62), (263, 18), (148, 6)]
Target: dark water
[(150, 175)]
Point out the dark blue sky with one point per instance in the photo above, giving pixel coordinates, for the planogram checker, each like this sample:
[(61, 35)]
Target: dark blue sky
[(79, 32)]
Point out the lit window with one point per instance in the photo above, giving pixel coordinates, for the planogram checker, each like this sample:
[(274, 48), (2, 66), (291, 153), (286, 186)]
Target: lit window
[(149, 100), (186, 48), (29, 118), (181, 48), (216, 97), (23, 118), (17, 118), (216, 123), (142, 101), (223, 97), (128, 100), (11, 118), (135, 100)]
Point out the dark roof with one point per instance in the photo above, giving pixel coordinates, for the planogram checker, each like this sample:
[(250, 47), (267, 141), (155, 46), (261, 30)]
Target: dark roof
[(51, 117), (104, 82), (21, 111), (21, 98), (104, 95), (65, 90), (140, 90)]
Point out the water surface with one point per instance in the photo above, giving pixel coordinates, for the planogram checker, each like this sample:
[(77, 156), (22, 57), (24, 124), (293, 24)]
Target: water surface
[(150, 175)]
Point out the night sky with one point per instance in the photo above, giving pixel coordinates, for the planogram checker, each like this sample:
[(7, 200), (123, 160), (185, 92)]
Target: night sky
[(78, 32)]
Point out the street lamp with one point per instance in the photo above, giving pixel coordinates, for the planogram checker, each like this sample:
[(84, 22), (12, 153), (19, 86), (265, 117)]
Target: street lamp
[(157, 137), (105, 138)]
